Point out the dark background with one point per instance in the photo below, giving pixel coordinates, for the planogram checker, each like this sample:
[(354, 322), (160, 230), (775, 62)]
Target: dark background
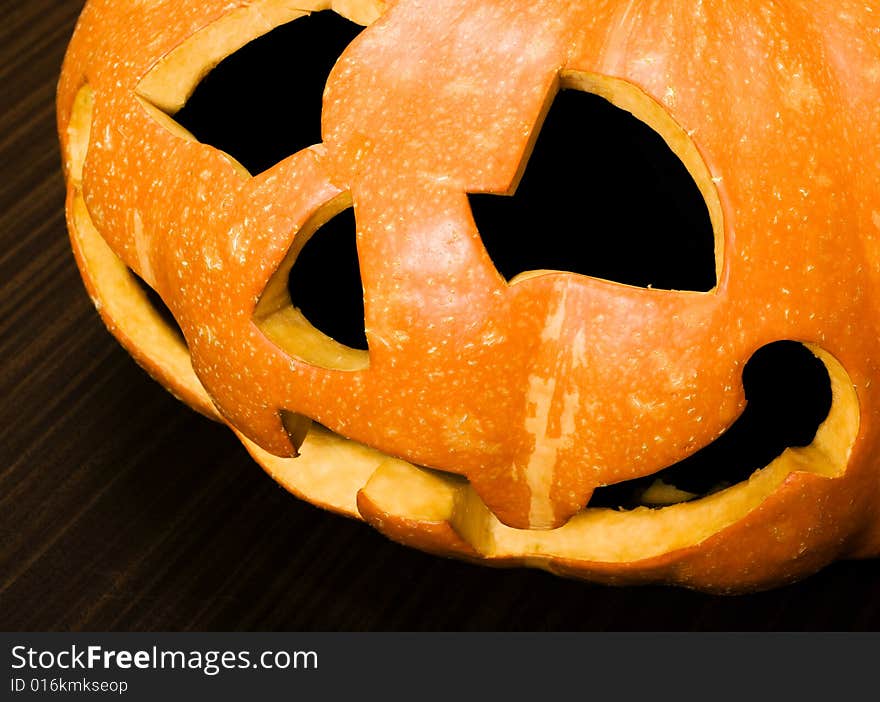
[(121, 509)]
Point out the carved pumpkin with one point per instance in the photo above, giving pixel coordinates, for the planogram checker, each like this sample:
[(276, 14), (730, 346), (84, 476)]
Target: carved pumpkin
[(485, 413)]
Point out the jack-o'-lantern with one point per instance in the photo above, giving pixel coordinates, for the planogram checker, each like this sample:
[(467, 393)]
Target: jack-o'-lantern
[(492, 417)]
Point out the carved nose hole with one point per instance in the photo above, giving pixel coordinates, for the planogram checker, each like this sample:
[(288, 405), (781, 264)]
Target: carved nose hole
[(602, 194), (313, 305), (325, 282), (263, 103)]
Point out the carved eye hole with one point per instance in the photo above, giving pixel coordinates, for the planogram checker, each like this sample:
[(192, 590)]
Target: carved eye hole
[(602, 194), (263, 103), (262, 100), (325, 282), (256, 96), (313, 306)]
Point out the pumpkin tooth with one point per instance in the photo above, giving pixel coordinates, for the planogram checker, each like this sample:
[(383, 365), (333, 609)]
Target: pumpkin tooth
[(661, 493)]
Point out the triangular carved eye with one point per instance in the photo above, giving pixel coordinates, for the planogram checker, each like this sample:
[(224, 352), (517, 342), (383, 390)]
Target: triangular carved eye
[(602, 195), (313, 305), (262, 100), (325, 282)]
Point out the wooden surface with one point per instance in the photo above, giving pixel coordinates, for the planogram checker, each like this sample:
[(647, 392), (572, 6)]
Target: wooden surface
[(122, 509)]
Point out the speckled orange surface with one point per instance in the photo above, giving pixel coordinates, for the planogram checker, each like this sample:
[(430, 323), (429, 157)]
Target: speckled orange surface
[(539, 390)]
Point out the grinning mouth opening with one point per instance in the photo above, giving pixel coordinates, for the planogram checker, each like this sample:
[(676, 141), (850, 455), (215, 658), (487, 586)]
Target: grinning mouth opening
[(442, 512), (788, 391), (401, 499)]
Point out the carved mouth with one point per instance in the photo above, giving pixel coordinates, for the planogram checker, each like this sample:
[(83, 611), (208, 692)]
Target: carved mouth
[(404, 496), (789, 396), (400, 498)]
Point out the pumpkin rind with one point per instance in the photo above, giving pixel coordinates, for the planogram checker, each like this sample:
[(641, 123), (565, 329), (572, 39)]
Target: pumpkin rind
[(512, 390)]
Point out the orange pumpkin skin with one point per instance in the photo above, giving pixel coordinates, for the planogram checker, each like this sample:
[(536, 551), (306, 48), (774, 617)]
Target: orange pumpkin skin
[(526, 395)]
